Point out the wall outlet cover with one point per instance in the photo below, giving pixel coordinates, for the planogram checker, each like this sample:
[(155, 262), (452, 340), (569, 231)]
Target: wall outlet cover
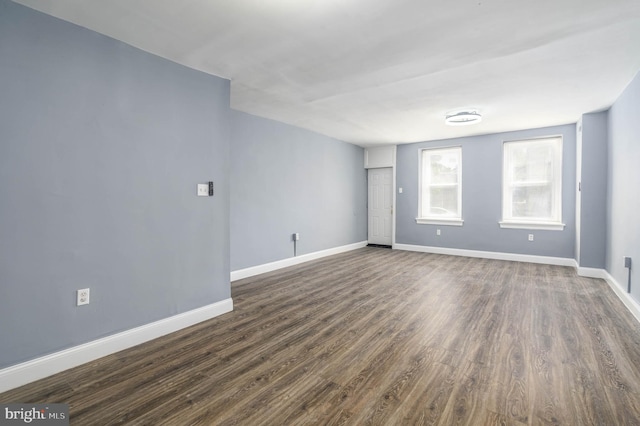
[(203, 190), (83, 296)]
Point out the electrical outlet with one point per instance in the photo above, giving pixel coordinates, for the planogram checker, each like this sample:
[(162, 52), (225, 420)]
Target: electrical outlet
[(627, 262), (437, 232), (82, 297), (203, 190), (296, 236), (530, 237)]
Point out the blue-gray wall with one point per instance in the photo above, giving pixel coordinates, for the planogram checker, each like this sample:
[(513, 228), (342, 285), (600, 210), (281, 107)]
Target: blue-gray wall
[(593, 212), (101, 148), (284, 180), (623, 187), (482, 198)]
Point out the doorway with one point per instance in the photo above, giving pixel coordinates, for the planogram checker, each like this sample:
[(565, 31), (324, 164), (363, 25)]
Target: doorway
[(380, 206)]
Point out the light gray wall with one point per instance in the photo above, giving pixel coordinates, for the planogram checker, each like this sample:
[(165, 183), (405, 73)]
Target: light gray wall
[(482, 198), (284, 180), (594, 190), (623, 187), (101, 148)]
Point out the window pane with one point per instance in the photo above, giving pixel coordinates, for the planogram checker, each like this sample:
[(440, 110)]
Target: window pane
[(440, 191), (444, 168), (532, 162), (532, 180), (444, 201), (532, 201)]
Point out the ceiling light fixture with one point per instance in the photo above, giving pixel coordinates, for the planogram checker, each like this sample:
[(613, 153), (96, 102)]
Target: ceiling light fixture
[(463, 118)]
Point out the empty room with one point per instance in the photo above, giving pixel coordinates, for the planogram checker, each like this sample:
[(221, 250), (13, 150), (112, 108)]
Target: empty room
[(319, 212)]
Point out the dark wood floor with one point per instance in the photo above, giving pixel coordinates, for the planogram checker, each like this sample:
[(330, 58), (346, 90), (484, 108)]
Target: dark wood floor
[(384, 337)]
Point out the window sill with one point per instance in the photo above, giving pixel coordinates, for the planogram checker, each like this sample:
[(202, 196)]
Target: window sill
[(439, 221), (547, 226)]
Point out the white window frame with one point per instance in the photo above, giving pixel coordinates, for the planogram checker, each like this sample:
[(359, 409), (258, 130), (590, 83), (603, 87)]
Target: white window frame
[(553, 222), (427, 219)]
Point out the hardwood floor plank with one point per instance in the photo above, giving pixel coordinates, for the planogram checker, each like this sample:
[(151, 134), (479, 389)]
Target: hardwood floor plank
[(378, 337), (467, 402)]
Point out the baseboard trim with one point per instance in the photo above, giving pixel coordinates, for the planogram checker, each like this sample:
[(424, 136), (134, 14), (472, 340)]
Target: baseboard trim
[(591, 272), (284, 263), (622, 294), (547, 260), (39, 368)]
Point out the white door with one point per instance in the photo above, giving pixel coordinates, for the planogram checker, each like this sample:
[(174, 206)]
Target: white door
[(380, 206), (578, 190)]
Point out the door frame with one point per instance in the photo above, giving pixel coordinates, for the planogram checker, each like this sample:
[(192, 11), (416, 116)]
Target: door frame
[(377, 158), (392, 224)]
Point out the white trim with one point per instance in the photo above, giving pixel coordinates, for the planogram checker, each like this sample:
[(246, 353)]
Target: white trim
[(591, 272), (39, 368), (549, 226), (284, 263), (560, 261), (443, 221), (622, 294)]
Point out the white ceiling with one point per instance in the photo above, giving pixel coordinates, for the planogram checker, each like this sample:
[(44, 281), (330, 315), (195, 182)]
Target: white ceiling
[(387, 71)]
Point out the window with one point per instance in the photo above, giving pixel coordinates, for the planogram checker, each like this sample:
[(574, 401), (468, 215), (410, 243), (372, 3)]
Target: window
[(440, 197), (532, 184)]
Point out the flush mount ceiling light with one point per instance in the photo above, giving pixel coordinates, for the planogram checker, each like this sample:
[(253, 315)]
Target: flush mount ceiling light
[(463, 118)]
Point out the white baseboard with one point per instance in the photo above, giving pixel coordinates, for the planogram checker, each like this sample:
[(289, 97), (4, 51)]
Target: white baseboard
[(39, 368), (284, 263), (622, 294), (547, 260), (591, 272)]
